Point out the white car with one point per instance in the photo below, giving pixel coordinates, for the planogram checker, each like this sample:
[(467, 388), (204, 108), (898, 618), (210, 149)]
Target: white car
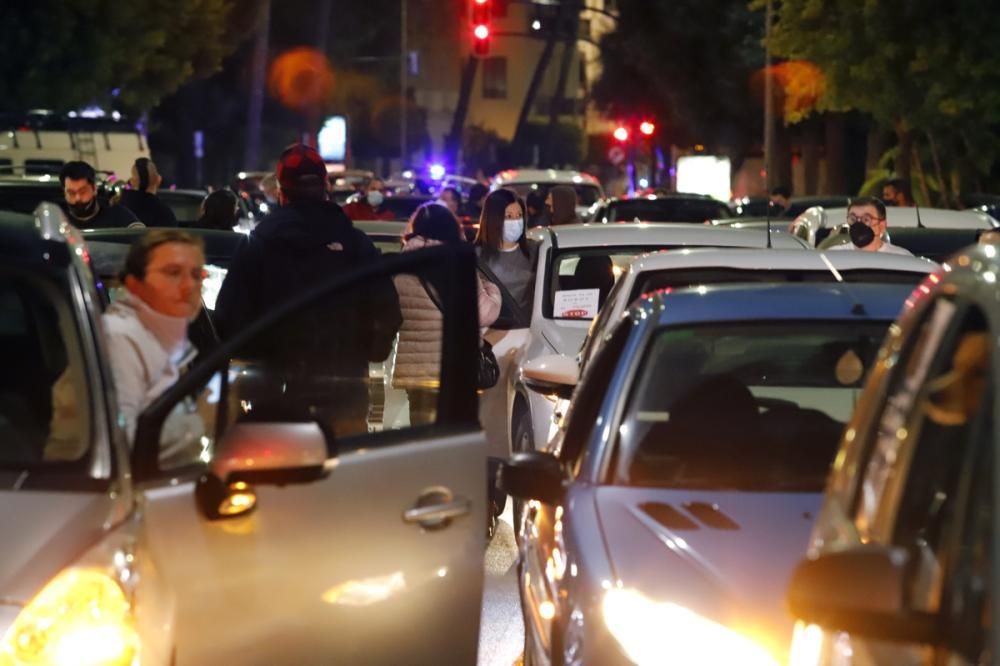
[(814, 225), (677, 269), (278, 530), (588, 189), (576, 269)]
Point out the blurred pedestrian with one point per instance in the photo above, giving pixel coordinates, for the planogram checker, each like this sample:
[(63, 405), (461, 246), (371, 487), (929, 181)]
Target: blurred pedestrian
[(142, 199), (474, 206), (219, 210), (418, 352), (79, 183), (368, 207), (561, 205), (451, 198), (503, 247), (538, 215), (780, 199), (897, 192)]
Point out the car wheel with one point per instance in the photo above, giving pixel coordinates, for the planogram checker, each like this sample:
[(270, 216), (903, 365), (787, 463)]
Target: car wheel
[(523, 440)]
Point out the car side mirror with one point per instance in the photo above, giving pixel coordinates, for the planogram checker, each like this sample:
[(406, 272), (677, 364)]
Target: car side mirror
[(861, 591), (261, 454), (553, 375), (533, 475)]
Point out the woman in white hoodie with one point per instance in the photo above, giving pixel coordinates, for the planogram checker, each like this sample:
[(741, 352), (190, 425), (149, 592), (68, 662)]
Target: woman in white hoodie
[(418, 352)]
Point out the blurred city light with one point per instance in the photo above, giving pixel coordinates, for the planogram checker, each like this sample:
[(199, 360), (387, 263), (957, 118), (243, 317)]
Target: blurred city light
[(621, 133), (647, 128)]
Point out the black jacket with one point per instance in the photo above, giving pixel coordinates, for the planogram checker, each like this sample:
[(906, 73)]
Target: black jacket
[(149, 208), (293, 249), (107, 217)]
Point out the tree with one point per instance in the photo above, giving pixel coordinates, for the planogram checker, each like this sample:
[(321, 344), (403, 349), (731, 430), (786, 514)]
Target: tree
[(927, 70), (63, 54), (688, 63)]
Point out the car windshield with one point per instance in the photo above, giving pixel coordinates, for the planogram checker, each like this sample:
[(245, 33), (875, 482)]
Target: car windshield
[(586, 195), (45, 406), (665, 210), (580, 280), (736, 406)]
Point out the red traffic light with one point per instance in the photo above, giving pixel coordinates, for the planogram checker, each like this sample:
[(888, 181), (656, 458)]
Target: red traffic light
[(647, 128), (621, 133), (481, 31)]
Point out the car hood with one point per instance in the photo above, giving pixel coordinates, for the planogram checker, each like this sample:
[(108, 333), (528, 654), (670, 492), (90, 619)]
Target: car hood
[(727, 556), (43, 533)]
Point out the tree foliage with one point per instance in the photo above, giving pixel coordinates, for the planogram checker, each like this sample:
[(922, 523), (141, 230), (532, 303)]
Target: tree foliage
[(689, 63), (63, 54)]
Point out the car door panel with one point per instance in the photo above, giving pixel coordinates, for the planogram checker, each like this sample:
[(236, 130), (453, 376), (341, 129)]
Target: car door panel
[(373, 557)]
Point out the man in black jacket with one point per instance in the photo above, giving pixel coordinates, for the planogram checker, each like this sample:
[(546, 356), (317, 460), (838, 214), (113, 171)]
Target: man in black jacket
[(142, 199), (79, 183), (322, 351)]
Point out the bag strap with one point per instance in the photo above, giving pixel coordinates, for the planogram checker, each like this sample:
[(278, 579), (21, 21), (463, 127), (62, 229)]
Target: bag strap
[(504, 292)]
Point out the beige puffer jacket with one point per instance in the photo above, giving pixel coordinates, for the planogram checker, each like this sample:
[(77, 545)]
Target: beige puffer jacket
[(418, 350)]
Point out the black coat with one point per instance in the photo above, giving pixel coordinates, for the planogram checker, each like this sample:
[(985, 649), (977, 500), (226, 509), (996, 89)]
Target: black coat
[(149, 208), (292, 250), (108, 217)]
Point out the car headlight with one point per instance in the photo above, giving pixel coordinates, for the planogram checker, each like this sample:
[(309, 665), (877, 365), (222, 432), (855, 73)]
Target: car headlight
[(652, 632), (80, 617)]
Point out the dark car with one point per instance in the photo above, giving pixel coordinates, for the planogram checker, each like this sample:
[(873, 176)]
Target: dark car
[(695, 208), (22, 194)]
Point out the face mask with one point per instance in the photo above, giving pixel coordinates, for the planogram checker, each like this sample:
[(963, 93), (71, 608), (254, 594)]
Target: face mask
[(513, 230), (861, 234), (375, 198), (82, 211)]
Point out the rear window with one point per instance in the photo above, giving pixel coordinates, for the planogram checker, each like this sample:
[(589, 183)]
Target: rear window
[(666, 210), (586, 194), (579, 281)]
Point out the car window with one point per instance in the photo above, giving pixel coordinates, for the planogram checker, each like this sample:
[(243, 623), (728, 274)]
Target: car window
[(45, 405), (586, 195), (601, 325), (745, 406), (883, 448), (666, 210), (580, 280), (359, 362), (936, 441)]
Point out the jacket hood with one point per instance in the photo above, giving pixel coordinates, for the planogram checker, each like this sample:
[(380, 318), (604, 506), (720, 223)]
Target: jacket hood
[(305, 225)]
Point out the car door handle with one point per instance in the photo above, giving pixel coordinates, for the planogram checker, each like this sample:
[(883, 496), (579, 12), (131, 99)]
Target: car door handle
[(437, 516)]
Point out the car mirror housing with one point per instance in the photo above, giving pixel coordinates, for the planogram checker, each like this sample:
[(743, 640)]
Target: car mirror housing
[(552, 375), (533, 475), (271, 453), (862, 591)]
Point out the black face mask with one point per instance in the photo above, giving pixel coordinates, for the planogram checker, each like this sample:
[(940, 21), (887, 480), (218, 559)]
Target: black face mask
[(83, 211), (861, 234)]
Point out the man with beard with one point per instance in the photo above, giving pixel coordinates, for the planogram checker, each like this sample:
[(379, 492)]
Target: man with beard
[(79, 183)]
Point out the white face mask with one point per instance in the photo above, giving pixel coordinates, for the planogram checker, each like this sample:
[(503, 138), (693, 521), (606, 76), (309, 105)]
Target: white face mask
[(513, 230), (375, 198)]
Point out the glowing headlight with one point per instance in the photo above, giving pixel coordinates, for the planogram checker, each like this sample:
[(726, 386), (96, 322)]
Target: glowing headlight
[(651, 632), (81, 617)]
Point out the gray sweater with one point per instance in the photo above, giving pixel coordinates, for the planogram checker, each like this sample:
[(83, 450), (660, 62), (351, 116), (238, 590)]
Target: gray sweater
[(515, 271)]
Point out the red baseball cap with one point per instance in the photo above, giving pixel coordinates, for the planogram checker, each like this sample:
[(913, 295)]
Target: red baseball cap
[(297, 163)]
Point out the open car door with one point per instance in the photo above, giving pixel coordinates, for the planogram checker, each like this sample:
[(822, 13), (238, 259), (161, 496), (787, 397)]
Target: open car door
[(290, 527)]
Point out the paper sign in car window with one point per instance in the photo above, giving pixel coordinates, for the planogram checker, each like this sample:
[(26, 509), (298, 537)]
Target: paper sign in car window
[(576, 303)]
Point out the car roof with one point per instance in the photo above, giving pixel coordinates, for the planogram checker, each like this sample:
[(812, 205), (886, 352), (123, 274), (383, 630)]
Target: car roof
[(801, 301), (667, 196), (515, 176), (897, 216), (779, 258), (654, 233)]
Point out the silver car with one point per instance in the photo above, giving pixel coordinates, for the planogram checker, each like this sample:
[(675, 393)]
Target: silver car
[(282, 533)]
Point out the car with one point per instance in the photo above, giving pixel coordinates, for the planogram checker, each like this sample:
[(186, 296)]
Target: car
[(901, 562), (576, 267), (934, 244), (815, 224), (659, 208), (677, 269), (119, 553), (387, 236), (670, 510), (588, 189)]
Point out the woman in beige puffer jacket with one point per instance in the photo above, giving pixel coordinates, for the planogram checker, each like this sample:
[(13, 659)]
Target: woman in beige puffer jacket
[(418, 349)]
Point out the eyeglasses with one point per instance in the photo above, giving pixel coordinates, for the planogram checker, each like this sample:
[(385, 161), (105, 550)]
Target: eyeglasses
[(866, 219), (177, 273)]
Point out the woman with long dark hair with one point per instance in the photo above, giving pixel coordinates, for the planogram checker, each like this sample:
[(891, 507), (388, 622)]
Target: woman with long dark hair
[(503, 247)]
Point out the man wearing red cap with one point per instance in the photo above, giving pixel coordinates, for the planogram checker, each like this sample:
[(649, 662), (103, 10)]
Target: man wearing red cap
[(306, 241)]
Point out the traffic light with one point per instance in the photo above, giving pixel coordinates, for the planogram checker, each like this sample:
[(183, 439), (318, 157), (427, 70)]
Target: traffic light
[(481, 30), (647, 128), (621, 133)]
